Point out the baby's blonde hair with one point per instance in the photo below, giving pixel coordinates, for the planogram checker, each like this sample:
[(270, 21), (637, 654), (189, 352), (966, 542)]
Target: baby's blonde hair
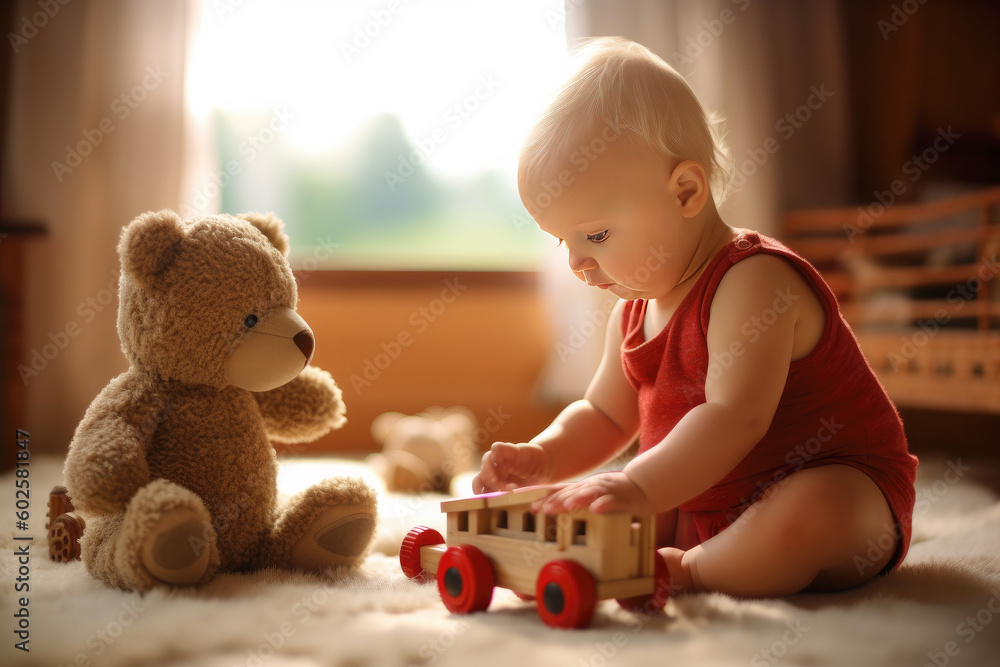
[(644, 101)]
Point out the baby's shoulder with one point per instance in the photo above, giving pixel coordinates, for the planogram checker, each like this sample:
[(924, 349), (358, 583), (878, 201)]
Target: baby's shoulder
[(764, 277), (761, 269)]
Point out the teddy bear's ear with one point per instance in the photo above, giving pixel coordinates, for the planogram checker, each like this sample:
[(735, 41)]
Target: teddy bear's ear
[(382, 425), (460, 422), (149, 244), (271, 226)]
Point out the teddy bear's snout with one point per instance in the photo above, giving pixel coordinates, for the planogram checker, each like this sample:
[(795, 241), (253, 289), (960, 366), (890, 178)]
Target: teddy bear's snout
[(305, 342), (271, 353)]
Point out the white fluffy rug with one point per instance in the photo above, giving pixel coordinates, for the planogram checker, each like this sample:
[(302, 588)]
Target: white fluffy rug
[(941, 608)]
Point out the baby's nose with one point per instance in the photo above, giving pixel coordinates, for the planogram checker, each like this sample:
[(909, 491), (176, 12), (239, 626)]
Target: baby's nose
[(581, 262)]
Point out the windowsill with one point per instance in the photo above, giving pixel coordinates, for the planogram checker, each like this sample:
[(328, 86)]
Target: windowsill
[(403, 279)]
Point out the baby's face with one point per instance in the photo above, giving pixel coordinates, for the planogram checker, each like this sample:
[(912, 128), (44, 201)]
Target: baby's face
[(613, 209)]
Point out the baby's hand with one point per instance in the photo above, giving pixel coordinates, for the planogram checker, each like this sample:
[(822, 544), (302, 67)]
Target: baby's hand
[(508, 466), (603, 492)]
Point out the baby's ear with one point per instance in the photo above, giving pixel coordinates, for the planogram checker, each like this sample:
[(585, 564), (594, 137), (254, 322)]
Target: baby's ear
[(149, 244), (271, 226), (689, 183)]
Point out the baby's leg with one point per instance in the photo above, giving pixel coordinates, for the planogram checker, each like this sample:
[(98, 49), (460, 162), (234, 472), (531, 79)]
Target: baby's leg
[(805, 532)]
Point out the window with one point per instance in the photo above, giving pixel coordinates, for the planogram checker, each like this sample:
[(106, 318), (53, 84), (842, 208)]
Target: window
[(462, 522), (384, 133), (501, 518), (528, 522), (579, 531)]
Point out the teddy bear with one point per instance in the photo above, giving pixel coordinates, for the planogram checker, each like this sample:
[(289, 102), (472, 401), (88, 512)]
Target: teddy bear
[(423, 452), (172, 465)]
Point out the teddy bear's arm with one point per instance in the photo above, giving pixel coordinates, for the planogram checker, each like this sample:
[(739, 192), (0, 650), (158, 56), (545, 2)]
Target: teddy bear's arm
[(106, 464), (305, 409)]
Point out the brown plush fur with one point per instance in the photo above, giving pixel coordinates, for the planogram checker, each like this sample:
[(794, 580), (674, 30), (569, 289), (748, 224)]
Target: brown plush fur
[(172, 438)]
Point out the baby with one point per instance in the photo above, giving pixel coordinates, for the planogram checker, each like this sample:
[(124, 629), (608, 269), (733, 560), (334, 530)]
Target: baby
[(768, 450)]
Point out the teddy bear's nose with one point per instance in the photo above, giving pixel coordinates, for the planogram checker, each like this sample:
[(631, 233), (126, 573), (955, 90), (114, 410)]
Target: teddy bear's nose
[(304, 341)]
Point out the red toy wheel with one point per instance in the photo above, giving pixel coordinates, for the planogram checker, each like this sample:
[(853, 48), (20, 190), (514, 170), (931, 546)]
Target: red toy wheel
[(566, 594), (657, 600), (409, 551), (465, 579)]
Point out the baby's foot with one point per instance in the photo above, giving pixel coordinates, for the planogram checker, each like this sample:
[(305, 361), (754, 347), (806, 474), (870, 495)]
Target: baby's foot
[(176, 550), (683, 579)]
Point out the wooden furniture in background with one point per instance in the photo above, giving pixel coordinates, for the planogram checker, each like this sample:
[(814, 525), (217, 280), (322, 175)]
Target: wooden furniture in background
[(13, 235), (918, 284), (405, 341)]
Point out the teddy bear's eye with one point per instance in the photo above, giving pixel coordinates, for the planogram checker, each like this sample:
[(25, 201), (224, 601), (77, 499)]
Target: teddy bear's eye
[(250, 321)]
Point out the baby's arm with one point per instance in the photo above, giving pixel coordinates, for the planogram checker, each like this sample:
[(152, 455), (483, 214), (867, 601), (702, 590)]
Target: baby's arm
[(584, 435), (741, 399)]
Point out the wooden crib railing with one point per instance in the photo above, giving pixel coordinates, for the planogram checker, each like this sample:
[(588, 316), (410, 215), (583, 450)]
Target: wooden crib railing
[(919, 285)]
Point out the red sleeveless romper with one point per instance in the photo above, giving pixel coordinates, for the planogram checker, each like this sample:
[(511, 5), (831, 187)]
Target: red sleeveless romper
[(833, 409)]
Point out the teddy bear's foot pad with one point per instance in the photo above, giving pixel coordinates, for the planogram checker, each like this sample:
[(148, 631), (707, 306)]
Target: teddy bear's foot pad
[(176, 550), (339, 536)]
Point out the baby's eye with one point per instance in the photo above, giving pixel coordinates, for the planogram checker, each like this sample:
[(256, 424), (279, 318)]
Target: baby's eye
[(599, 237)]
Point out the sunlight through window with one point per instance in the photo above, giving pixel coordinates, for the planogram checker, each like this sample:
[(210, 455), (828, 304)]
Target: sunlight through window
[(384, 133)]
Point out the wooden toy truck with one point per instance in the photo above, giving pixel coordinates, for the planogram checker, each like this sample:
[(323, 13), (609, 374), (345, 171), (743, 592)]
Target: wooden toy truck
[(567, 562)]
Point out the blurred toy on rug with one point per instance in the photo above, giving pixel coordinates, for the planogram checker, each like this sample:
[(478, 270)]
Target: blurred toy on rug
[(426, 451)]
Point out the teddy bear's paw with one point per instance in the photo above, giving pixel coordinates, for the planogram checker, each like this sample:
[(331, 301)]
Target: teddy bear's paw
[(339, 536), (176, 551)]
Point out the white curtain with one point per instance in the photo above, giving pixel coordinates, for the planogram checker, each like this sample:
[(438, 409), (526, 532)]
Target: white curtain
[(94, 135), (776, 70)]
